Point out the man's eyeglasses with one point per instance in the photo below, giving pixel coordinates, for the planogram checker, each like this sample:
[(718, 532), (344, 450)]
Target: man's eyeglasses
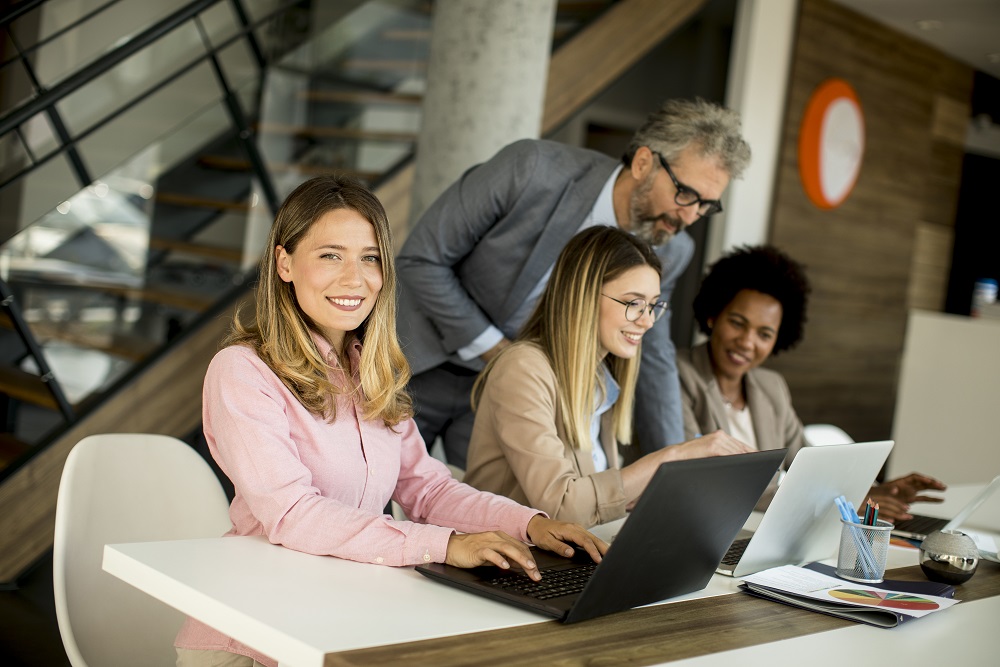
[(636, 307), (686, 196)]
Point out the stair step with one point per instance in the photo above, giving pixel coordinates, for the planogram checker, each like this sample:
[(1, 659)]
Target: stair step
[(132, 348), (126, 347), (361, 97), (151, 294), (336, 132), (177, 199), (233, 255), (383, 65), (404, 35), (237, 164), (26, 387)]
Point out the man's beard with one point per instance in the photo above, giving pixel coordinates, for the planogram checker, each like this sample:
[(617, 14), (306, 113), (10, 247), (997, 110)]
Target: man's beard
[(645, 227)]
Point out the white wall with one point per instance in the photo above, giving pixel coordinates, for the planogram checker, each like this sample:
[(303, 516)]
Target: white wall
[(758, 82), (946, 421)]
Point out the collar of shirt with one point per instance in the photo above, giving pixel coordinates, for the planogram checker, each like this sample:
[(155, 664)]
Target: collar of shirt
[(327, 352), (603, 212)]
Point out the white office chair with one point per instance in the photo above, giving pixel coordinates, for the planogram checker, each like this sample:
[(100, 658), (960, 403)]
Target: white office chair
[(125, 488), (817, 435)]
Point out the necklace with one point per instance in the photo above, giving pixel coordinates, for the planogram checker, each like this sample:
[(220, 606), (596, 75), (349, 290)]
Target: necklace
[(730, 402)]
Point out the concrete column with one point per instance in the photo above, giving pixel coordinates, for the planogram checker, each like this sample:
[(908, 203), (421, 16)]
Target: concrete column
[(759, 66), (485, 86)]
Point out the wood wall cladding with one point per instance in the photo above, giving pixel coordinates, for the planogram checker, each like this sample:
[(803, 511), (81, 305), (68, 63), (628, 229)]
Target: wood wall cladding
[(887, 247)]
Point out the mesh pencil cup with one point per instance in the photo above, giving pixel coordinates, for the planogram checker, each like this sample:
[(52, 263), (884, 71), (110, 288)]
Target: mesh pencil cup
[(863, 551)]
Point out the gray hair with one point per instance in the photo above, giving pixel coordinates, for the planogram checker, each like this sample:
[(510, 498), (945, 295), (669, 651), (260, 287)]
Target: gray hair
[(713, 129)]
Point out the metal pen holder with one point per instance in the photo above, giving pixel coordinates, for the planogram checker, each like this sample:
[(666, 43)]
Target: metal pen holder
[(863, 551)]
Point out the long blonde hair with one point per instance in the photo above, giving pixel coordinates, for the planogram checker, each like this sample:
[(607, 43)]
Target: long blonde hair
[(564, 324), (280, 333)]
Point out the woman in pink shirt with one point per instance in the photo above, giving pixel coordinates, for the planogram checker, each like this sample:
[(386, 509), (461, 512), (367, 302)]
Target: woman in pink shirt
[(305, 410)]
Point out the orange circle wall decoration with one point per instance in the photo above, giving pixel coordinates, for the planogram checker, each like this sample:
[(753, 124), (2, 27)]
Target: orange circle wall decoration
[(831, 143)]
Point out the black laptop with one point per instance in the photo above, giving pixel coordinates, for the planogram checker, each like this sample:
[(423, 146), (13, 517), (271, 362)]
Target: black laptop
[(671, 544)]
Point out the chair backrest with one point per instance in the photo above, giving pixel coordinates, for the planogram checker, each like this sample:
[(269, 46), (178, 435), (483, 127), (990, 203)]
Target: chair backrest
[(125, 488), (817, 435)]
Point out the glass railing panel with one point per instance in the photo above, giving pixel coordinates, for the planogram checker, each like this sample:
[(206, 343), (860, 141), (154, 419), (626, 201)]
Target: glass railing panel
[(189, 138), (52, 17), (39, 135), (238, 64), (260, 9), (52, 181), (67, 50), (13, 156), (128, 80), (150, 119), (16, 85), (118, 269), (220, 22)]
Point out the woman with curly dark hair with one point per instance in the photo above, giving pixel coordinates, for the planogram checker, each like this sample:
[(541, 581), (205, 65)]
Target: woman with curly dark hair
[(752, 305)]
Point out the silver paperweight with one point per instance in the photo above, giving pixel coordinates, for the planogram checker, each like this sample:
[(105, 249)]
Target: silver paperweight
[(949, 556)]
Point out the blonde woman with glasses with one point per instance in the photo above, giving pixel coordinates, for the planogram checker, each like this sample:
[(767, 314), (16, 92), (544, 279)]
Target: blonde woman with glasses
[(552, 408)]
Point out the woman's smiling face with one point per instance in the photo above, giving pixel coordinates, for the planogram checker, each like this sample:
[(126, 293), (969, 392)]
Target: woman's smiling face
[(744, 333), (336, 271), (616, 334)]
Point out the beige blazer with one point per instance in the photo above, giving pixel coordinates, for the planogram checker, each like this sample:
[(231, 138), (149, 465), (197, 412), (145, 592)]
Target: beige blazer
[(518, 447), (775, 423)]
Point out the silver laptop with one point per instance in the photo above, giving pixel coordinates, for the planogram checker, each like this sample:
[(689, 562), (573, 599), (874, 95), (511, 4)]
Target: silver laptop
[(802, 523), (921, 526)]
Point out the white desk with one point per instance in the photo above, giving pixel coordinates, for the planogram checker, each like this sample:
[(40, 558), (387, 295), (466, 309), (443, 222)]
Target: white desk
[(297, 608)]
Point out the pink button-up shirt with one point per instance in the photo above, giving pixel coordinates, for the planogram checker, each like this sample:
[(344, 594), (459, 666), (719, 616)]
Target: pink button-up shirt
[(321, 487)]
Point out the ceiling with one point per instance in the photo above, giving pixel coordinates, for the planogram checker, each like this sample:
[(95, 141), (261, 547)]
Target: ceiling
[(967, 30)]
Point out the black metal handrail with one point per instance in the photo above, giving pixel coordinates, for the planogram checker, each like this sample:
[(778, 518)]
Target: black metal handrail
[(23, 8), (95, 69), (47, 101)]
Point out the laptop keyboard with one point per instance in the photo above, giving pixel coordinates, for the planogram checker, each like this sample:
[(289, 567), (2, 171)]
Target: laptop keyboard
[(554, 583), (921, 525), (735, 552)]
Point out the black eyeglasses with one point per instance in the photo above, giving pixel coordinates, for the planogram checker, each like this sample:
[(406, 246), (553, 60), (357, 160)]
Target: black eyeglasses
[(686, 196), (636, 307)]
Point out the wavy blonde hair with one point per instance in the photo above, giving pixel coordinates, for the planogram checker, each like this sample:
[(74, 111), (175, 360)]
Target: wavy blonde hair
[(564, 324), (280, 332)]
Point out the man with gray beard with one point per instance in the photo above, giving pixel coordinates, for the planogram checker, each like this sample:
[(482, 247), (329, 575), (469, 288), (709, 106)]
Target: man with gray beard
[(477, 260)]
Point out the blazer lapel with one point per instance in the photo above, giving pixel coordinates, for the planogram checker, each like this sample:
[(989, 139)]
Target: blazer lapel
[(765, 424), (713, 397)]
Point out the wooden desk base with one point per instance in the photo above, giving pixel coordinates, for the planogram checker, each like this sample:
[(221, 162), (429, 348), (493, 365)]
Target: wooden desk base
[(644, 636)]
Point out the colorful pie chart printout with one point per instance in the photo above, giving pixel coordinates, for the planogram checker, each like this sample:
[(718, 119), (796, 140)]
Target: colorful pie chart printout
[(873, 598)]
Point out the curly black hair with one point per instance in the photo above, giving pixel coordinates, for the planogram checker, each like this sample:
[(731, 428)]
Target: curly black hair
[(764, 269)]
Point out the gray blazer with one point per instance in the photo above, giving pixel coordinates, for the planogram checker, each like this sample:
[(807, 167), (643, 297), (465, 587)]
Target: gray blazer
[(481, 247)]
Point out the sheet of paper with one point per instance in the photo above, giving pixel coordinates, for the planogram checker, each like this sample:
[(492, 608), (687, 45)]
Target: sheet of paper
[(985, 543), (808, 583)]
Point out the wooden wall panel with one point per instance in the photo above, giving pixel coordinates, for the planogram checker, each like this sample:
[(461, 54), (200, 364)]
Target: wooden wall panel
[(861, 257), (931, 263)]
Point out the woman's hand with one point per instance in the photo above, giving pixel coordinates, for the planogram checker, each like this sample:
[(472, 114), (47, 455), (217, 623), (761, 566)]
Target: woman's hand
[(894, 496), (559, 536), (718, 443), (497, 547)]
